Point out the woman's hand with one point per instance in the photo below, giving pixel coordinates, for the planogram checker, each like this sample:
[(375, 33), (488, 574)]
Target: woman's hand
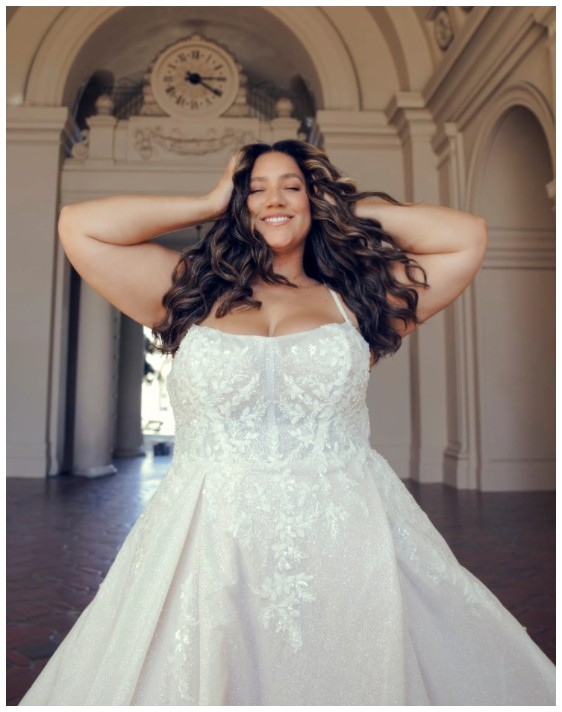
[(219, 198)]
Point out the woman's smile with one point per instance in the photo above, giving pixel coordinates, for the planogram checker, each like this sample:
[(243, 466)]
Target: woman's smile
[(278, 199)]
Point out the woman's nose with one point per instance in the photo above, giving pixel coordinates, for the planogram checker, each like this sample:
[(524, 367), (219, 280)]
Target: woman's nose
[(275, 197)]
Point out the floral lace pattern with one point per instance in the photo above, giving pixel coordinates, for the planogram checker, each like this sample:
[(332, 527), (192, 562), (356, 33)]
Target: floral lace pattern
[(282, 562), (264, 411)]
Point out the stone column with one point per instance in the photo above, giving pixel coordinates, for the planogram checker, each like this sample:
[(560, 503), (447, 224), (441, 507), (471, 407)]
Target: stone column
[(35, 352), (128, 436), (415, 126), (93, 422)]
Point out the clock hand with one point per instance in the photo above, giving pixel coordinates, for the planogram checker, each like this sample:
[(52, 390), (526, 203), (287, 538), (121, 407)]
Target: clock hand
[(196, 78), (218, 92)]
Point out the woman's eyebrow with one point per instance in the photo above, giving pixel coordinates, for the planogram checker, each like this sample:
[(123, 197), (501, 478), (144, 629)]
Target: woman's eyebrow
[(284, 175)]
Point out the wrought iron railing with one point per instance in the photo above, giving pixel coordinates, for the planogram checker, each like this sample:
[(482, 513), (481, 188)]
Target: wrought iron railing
[(262, 98)]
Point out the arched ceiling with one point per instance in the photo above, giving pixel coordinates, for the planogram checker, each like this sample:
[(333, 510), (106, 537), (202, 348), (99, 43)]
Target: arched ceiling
[(128, 42), (350, 58)]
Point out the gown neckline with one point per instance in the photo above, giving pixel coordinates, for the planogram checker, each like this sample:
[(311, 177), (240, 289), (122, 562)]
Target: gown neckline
[(276, 336)]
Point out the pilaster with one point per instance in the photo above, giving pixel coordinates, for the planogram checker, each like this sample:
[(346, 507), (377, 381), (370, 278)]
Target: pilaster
[(37, 139), (461, 460)]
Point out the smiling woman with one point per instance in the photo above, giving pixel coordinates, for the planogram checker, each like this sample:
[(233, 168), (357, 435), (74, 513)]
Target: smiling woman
[(282, 561), (278, 203), (291, 222)]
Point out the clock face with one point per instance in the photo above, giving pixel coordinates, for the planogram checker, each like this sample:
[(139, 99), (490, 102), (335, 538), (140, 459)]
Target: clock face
[(195, 78)]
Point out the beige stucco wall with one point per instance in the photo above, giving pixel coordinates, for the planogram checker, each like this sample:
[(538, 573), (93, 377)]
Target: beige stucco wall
[(460, 401)]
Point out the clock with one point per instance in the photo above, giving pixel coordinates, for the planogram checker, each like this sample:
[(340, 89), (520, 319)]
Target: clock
[(195, 77)]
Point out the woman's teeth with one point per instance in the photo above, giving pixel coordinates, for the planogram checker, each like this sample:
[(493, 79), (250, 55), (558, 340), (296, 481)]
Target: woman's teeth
[(277, 220)]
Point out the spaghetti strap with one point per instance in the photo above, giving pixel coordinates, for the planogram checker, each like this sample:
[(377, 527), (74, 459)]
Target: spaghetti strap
[(338, 303)]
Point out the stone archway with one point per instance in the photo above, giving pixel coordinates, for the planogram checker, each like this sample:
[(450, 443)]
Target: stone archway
[(49, 80), (513, 299)]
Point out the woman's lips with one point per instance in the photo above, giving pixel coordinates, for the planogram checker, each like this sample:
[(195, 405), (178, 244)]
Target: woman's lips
[(277, 220)]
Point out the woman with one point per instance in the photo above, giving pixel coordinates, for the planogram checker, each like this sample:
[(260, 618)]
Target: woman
[(282, 561)]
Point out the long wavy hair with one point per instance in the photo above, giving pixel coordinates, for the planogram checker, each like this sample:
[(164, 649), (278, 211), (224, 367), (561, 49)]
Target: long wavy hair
[(351, 255)]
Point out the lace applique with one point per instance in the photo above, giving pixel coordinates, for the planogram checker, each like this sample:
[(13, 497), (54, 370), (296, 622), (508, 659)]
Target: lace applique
[(261, 415), (180, 656), (418, 541), (284, 593)]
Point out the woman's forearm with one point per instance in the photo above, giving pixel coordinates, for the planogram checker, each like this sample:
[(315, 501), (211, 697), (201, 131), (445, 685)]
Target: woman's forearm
[(425, 229), (132, 219)]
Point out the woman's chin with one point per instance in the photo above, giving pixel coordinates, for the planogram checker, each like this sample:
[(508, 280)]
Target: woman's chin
[(284, 244)]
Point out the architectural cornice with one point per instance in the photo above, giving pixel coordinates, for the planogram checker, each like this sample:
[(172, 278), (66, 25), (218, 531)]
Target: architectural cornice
[(42, 124), (357, 128), (408, 113), (470, 72)]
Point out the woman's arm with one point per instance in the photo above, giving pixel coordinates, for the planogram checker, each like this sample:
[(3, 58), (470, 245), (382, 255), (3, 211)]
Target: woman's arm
[(448, 244), (107, 241)]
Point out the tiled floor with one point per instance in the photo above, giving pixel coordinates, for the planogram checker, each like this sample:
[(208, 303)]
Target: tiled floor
[(63, 534)]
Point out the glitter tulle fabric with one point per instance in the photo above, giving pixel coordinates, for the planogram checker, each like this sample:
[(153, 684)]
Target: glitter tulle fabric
[(283, 562)]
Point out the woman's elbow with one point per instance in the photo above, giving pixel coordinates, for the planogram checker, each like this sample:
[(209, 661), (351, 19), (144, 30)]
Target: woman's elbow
[(65, 221), (477, 234), (479, 242)]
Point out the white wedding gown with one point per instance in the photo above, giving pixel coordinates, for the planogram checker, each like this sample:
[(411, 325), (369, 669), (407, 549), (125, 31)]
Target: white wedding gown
[(282, 561)]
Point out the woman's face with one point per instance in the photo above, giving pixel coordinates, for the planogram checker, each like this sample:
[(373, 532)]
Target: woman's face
[(278, 201)]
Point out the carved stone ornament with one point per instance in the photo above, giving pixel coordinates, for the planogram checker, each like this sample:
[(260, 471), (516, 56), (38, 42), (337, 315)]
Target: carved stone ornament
[(81, 150), (184, 142), (443, 28), (104, 105), (284, 107)]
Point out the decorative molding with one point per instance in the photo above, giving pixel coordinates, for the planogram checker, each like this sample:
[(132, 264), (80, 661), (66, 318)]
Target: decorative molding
[(448, 144), (443, 29), (40, 124), (366, 129), (546, 16), (74, 26), (461, 458), (408, 113), (520, 94), (189, 142), (81, 150), (516, 248), (471, 72)]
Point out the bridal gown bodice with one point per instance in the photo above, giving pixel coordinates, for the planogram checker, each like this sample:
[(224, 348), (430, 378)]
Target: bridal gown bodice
[(258, 400), (282, 561)]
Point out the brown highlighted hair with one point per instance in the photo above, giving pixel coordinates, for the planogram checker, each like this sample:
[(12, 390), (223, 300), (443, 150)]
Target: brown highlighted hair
[(351, 255)]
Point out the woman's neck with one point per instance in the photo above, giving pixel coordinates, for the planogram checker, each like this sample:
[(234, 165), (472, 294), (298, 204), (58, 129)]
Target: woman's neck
[(293, 269)]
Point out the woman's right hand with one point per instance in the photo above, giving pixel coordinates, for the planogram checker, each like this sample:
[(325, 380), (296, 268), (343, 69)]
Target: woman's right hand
[(219, 198)]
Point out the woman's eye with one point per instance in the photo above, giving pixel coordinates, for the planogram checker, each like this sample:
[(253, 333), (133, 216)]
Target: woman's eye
[(293, 187), (257, 190)]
